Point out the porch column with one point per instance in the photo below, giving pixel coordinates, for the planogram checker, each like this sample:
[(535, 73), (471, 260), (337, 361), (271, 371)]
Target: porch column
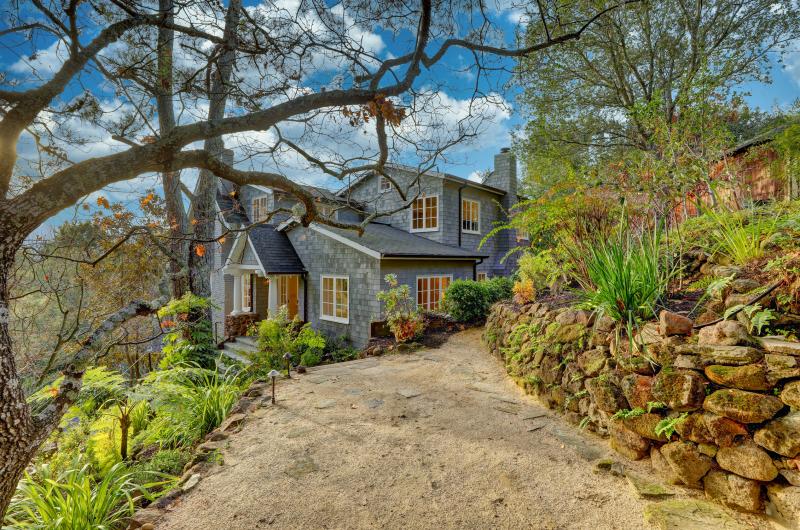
[(272, 301), (237, 293)]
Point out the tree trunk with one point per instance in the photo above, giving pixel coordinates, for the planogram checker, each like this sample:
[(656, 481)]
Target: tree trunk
[(17, 429), (124, 427), (204, 210), (173, 198)]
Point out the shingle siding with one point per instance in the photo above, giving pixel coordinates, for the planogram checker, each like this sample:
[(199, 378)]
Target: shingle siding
[(323, 255), (408, 270)]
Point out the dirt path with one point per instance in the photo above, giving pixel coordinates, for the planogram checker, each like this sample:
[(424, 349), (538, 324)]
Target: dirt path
[(437, 439)]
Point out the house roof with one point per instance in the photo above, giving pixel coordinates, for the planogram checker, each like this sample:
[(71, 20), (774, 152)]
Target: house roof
[(384, 241), (446, 176), (275, 252), (759, 139), (230, 208)]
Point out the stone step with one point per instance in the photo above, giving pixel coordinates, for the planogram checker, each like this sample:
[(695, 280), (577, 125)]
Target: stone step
[(250, 342), (235, 354)]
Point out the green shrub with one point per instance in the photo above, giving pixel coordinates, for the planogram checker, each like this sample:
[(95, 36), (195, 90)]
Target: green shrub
[(467, 300), (499, 288), (73, 499), (165, 462), (310, 358), (540, 268), (189, 402), (279, 335), (404, 318), (190, 338), (627, 275)]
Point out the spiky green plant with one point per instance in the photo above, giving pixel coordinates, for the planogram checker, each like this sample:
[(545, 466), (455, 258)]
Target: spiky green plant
[(739, 234), (627, 275), (73, 499)]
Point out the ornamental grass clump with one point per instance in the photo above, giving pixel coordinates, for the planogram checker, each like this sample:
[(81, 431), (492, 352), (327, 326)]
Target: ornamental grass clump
[(740, 235), (627, 275), (73, 499)]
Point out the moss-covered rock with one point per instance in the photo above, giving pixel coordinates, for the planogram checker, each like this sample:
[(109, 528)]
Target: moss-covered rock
[(747, 460), (725, 333), (781, 436), (742, 406), (747, 377), (686, 460), (592, 362), (681, 390), (638, 390), (720, 354), (790, 394), (605, 394), (645, 425), (626, 442), (733, 491)]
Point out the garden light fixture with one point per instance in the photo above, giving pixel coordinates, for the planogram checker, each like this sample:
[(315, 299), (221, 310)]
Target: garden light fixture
[(273, 374), (288, 357)]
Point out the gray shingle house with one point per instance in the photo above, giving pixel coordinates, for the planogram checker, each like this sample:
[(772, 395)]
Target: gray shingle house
[(330, 276)]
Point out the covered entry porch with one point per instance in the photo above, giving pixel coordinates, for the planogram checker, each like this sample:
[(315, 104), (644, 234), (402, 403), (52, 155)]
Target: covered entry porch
[(263, 274)]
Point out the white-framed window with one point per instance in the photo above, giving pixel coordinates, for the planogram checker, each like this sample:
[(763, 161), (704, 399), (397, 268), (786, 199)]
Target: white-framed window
[(247, 292), (430, 291), (470, 216), (260, 208), (482, 277), (425, 214), (335, 298), (385, 184), (523, 235), (326, 210)]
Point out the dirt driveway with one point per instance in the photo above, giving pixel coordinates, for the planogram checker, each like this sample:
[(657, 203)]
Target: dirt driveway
[(436, 439)]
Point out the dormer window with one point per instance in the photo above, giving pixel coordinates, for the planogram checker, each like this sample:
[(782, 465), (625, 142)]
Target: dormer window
[(470, 216), (260, 208), (425, 214), (385, 185)]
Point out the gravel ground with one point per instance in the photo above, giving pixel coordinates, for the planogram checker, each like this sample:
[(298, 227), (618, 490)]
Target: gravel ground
[(436, 439)]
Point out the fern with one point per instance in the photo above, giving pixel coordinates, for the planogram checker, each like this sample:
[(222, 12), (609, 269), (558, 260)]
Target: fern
[(666, 427), (625, 414)]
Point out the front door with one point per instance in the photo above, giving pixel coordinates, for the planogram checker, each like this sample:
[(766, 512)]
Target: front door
[(288, 293)]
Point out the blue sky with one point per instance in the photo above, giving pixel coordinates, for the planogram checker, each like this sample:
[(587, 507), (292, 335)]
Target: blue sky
[(449, 80)]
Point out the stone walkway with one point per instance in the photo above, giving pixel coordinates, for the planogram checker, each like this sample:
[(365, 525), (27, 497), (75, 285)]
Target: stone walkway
[(436, 439)]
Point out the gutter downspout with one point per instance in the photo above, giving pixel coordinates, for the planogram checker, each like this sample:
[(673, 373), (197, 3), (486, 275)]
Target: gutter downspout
[(475, 269)]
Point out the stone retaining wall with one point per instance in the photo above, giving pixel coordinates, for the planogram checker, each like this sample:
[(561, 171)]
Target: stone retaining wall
[(733, 400)]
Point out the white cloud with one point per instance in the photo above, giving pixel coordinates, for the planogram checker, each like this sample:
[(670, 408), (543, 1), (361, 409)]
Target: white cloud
[(791, 59), (42, 64)]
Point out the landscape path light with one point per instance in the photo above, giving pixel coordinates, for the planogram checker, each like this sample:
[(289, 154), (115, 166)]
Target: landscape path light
[(288, 357), (273, 374)]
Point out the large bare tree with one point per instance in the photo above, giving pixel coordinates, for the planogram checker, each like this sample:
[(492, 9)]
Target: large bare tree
[(172, 83)]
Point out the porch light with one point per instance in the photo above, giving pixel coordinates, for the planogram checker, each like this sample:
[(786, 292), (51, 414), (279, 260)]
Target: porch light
[(288, 357), (273, 374)]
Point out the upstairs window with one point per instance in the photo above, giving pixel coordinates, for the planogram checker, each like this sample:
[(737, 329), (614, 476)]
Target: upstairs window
[(523, 235), (430, 291), (385, 185), (425, 214), (470, 216), (260, 209), (326, 210)]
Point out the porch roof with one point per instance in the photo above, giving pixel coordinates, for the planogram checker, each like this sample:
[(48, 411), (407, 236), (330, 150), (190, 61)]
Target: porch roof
[(275, 252)]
